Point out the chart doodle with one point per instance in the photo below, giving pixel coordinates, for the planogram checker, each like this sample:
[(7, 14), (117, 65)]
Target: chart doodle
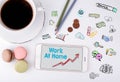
[(68, 60)]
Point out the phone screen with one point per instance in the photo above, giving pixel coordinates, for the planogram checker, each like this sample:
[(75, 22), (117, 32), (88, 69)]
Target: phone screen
[(61, 57)]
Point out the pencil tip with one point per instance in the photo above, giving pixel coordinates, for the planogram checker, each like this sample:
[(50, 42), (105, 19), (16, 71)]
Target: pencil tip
[(56, 32), (55, 29)]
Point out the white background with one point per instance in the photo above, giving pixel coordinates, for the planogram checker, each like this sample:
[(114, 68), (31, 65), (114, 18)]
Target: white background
[(7, 72)]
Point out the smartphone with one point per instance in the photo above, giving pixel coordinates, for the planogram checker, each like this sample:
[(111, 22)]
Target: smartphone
[(61, 57)]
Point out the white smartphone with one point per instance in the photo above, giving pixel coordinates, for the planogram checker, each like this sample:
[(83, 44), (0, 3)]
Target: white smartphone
[(61, 57)]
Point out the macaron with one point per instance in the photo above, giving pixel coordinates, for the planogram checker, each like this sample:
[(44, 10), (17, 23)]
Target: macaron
[(7, 55), (21, 66), (20, 53)]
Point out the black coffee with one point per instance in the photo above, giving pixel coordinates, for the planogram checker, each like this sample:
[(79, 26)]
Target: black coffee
[(16, 14)]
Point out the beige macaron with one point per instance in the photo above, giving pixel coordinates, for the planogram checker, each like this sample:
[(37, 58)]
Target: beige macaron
[(7, 55)]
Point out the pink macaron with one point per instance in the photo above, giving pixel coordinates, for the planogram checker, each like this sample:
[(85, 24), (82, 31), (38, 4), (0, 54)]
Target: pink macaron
[(20, 53)]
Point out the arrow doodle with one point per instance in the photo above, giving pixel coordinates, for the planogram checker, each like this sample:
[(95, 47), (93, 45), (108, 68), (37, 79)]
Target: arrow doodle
[(68, 60)]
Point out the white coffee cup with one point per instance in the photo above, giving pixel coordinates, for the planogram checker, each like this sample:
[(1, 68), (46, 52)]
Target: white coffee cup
[(10, 6), (27, 31)]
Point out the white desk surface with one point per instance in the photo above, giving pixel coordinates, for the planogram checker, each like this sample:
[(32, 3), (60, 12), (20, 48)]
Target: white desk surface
[(7, 72)]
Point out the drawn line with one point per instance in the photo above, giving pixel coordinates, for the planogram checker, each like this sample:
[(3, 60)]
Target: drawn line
[(69, 60)]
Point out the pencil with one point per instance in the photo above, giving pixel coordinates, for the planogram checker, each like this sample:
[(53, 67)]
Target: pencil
[(62, 14), (67, 13)]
